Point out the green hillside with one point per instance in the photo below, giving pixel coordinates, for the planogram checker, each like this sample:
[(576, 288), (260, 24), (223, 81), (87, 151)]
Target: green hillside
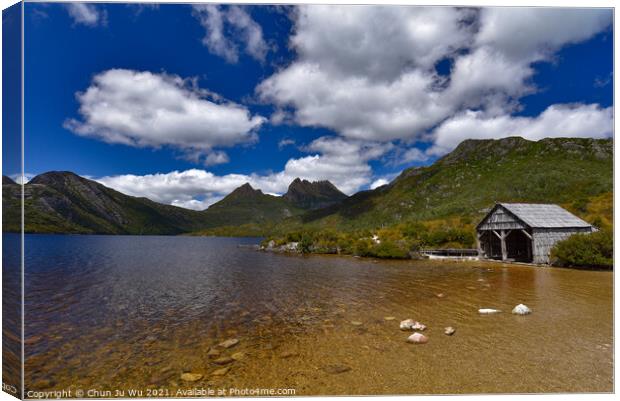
[(469, 180), (246, 212), (63, 202)]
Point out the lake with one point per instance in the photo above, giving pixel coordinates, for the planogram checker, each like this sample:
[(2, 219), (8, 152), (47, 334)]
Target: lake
[(130, 312)]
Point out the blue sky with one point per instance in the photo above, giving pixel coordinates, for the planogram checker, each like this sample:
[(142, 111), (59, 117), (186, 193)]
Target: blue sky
[(184, 103)]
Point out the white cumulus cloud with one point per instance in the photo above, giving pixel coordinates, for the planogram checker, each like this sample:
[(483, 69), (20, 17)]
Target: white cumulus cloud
[(368, 72), (344, 163), (571, 120), (217, 157), (379, 183), (531, 33), (215, 19), (144, 109), (86, 14)]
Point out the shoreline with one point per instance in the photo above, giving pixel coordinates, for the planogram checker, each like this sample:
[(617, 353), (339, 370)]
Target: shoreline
[(261, 248)]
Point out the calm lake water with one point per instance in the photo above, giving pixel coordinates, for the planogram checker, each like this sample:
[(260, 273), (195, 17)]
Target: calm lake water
[(126, 312)]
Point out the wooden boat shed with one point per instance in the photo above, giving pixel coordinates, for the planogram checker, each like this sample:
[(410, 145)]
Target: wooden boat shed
[(526, 232)]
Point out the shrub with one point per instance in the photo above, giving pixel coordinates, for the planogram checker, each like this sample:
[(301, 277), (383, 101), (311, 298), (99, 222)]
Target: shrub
[(390, 249), (305, 243), (585, 250), (456, 237), (362, 247)]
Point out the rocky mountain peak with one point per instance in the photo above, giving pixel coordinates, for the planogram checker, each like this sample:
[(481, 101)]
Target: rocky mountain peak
[(313, 195), (245, 191), (7, 181)]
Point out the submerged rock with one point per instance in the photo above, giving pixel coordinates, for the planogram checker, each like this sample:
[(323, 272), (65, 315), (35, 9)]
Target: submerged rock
[(288, 354), (336, 369), (43, 384), (225, 360), (221, 372), (449, 330), (213, 353), (356, 323), (487, 311), (191, 377), (161, 377), (521, 310), (237, 356), (389, 318), (417, 338), (440, 295), (229, 343)]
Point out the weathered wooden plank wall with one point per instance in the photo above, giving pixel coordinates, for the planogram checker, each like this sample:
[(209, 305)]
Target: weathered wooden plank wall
[(546, 238), (501, 220)]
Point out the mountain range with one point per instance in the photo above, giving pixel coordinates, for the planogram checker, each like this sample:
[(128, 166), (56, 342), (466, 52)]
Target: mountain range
[(476, 175), (63, 202), (464, 183)]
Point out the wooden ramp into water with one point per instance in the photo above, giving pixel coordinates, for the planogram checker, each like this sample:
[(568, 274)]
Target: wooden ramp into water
[(451, 253)]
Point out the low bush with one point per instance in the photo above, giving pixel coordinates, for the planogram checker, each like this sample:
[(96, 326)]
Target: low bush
[(585, 250)]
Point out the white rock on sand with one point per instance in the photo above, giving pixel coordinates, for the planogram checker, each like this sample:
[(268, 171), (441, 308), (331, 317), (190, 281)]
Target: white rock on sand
[(406, 324), (449, 330), (487, 311), (417, 338), (521, 310), (418, 326), (411, 324)]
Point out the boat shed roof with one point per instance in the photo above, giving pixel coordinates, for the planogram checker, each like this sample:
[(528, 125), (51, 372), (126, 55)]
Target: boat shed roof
[(537, 215)]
